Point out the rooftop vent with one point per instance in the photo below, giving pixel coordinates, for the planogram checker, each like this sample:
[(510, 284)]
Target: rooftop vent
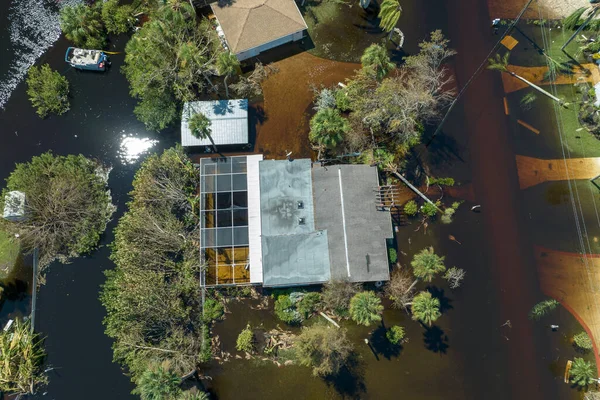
[(300, 205), (301, 221)]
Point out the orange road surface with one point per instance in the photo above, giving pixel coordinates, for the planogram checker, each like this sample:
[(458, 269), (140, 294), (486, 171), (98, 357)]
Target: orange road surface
[(574, 282), (535, 75), (533, 171)]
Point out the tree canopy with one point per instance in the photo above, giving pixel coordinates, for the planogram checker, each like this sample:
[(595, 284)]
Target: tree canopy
[(583, 373), (376, 61), (170, 57), (425, 308), (152, 297), (426, 264), (365, 308), (67, 205), (48, 90), (116, 18), (389, 12), (323, 348), (82, 24), (158, 383), (327, 127), (391, 106)]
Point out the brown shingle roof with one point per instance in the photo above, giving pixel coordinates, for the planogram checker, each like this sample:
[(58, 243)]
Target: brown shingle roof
[(251, 23)]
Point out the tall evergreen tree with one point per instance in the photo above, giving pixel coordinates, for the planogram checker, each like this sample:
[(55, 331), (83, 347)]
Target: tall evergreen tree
[(376, 61)]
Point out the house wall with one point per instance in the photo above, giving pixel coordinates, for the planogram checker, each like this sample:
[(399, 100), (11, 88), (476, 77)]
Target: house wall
[(253, 52)]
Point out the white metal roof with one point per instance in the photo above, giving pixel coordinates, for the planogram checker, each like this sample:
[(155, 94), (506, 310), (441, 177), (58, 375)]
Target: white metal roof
[(229, 122), (14, 205), (254, 218)]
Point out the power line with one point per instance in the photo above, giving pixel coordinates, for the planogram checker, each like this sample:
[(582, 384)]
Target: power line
[(477, 71)]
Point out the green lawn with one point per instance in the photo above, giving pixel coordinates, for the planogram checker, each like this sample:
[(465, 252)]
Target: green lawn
[(9, 251)]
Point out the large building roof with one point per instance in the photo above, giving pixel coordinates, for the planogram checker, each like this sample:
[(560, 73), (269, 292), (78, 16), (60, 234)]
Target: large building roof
[(251, 23), (229, 122), (293, 252), (357, 232)]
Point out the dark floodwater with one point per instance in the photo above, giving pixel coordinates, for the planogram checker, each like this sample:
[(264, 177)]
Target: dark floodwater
[(468, 355)]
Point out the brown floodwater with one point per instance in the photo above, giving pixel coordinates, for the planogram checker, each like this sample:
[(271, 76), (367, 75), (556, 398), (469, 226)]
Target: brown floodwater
[(470, 353)]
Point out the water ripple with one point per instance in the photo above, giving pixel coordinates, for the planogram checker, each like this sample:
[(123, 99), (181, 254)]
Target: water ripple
[(34, 27)]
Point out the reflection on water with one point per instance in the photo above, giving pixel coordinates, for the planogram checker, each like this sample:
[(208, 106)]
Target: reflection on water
[(34, 27), (131, 148)]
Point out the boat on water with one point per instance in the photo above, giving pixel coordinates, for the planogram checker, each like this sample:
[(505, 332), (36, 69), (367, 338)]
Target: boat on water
[(91, 60)]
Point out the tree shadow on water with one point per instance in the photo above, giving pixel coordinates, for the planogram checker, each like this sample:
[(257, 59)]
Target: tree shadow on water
[(435, 339), (381, 345), (445, 302), (349, 382)]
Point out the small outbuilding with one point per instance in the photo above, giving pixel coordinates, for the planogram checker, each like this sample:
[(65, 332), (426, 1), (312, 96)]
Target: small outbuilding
[(14, 206), (229, 122), (251, 27)]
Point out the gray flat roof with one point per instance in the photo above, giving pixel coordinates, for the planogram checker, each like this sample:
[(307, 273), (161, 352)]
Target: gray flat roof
[(356, 231), (299, 259), (283, 184), (294, 253), (229, 122)]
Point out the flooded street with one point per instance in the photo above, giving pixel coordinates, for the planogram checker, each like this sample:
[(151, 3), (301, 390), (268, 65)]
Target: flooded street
[(471, 353)]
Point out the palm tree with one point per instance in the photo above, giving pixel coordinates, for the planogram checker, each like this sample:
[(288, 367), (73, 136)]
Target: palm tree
[(389, 13), (83, 25), (583, 373), (158, 383), (426, 264), (227, 65), (376, 61), (500, 63), (198, 395), (425, 308), (365, 308), (327, 127), (199, 126)]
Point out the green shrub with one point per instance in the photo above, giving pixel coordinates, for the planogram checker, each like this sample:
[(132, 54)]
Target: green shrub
[(429, 210), (310, 303), (441, 181), (48, 91), (245, 340), (396, 334), (393, 255), (286, 311), (583, 341), (213, 310), (341, 100), (411, 208)]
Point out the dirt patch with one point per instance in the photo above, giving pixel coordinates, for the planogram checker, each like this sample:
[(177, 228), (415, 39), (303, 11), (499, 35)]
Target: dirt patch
[(540, 9), (283, 127)]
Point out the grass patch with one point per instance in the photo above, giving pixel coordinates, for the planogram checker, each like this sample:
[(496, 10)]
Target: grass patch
[(9, 251)]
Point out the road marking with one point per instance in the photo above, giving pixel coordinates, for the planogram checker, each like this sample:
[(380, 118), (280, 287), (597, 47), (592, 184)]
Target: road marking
[(344, 222)]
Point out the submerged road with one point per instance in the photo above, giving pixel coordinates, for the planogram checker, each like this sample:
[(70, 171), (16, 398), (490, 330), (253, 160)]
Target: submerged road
[(508, 251)]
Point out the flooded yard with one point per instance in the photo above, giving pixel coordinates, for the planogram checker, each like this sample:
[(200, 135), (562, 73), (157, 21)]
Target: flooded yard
[(472, 351)]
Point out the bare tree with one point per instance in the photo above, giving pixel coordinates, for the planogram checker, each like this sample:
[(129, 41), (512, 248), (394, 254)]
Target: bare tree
[(250, 86), (401, 288), (455, 276)]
